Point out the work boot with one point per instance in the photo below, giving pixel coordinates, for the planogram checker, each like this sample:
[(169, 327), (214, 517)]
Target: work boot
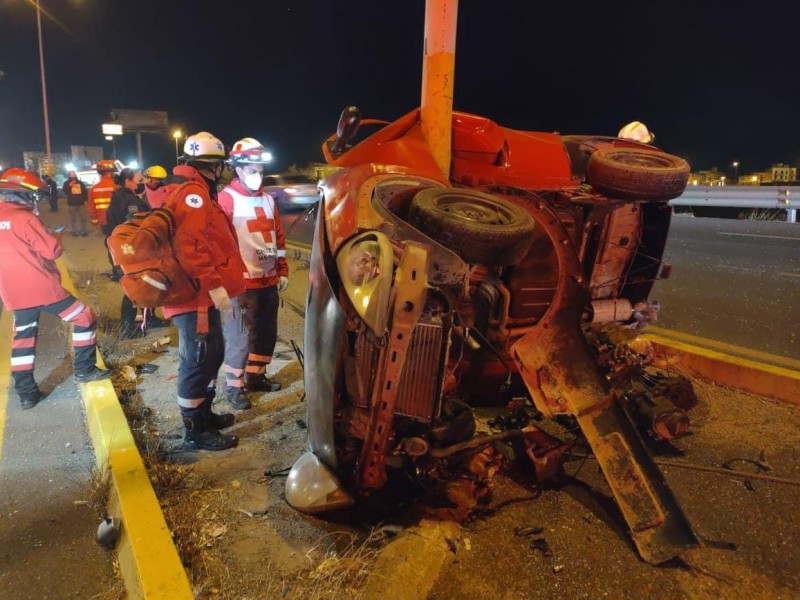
[(214, 420), (199, 436), (31, 399), (261, 383), (237, 398), (94, 373)]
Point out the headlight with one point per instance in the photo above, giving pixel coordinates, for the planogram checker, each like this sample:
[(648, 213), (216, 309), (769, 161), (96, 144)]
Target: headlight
[(365, 268)]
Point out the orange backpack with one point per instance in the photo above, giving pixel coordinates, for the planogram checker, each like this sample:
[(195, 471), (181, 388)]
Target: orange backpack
[(142, 247)]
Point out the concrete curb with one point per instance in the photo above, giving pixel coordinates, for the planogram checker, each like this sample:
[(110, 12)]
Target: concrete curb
[(727, 365), (148, 559), (409, 566)]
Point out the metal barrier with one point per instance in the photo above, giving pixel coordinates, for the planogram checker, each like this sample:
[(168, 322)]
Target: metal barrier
[(756, 197)]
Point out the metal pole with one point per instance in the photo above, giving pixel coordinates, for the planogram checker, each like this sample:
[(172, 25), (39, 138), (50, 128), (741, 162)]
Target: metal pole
[(438, 69), (176, 149), (44, 93), (139, 149)]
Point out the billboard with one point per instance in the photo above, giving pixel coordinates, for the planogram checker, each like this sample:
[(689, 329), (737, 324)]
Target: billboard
[(85, 156), (141, 121)]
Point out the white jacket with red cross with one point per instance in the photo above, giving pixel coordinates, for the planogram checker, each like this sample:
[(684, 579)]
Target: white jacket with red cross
[(260, 233)]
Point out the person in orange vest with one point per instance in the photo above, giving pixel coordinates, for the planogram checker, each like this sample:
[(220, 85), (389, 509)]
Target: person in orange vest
[(99, 201), (77, 195), (251, 329), (30, 283)]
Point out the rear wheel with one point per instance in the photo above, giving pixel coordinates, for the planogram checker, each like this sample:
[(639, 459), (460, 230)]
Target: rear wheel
[(481, 228), (632, 174)]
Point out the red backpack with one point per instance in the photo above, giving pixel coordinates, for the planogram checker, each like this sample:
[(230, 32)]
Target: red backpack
[(142, 247)]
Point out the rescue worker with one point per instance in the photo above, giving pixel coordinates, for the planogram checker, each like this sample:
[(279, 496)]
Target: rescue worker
[(76, 194), (100, 198), (251, 328), (154, 182), (31, 283), (53, 193), (205, 245), (126, 201), (637, 132)]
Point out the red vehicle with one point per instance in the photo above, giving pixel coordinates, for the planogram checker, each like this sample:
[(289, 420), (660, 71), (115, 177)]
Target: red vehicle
[(458, 270)]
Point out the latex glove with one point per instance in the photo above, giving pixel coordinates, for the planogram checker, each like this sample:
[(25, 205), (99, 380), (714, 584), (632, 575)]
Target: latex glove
[(283, 283), (221, 300)]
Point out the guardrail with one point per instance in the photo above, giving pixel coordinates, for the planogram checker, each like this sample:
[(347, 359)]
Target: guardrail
[(757, 197)]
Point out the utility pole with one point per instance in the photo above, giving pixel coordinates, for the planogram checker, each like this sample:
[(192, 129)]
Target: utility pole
[(48, 150)]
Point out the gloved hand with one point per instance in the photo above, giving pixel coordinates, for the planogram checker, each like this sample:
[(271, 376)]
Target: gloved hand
[(95, 222), (283, 283), (221, 300)]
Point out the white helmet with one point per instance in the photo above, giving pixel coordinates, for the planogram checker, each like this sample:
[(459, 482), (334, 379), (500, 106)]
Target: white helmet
[(203, 147), (249, 151), (637, 132)]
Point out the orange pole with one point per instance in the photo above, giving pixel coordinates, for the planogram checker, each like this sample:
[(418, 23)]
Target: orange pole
[(438, 72)]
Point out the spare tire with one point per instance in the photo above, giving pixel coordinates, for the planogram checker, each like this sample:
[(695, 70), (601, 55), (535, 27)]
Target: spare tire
[(633, 174), (480, 228)]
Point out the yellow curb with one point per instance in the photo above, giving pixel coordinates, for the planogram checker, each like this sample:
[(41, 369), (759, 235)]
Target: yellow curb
[(725, 365), (5, 374), (148, 560)]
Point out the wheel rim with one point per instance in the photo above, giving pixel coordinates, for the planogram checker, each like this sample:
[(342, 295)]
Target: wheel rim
[(476, 210), (648, 160)]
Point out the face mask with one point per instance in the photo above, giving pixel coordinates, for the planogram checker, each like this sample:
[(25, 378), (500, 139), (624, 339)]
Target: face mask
[(139, 189), (252, 181)]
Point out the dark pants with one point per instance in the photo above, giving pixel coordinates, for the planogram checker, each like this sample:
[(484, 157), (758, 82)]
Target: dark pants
[(251, 331), (26, 330), (127, 313), (53, 202), (197, 378)]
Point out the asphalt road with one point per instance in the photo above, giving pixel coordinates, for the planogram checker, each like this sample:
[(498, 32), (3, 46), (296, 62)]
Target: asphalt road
[(734, 281)]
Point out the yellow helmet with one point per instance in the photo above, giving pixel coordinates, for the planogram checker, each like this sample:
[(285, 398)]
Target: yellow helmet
[(156, 172)]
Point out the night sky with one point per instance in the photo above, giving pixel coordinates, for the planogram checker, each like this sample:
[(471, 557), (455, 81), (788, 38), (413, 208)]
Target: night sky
[(716, 81)]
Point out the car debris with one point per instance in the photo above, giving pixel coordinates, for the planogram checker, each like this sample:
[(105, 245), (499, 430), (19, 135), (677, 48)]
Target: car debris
[(526, 531)]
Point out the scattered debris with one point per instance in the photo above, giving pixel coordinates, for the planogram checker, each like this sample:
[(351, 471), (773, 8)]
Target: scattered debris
[(542, 546), (147, 368), (108, 532), (301, 424), (526, 531), (558, 568), (160, 345), (281, 472), (129, 373)]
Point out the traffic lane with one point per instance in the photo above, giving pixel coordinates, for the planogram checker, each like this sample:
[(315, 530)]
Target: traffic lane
[(47, 547), (734, 281)]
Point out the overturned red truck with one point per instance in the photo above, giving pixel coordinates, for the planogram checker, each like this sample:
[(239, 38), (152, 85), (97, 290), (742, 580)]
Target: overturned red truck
[(455, 262)]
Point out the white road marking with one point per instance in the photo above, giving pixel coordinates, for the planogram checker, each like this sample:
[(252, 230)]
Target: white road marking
[(789, 274), (758, 235)]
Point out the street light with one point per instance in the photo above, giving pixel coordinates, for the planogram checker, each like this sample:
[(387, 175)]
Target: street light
[(735, 172), (177, 134)]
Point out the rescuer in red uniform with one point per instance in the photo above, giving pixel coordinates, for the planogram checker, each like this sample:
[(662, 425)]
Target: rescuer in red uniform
[(205, 245), (31, 283), (99, 201), (251, 328)]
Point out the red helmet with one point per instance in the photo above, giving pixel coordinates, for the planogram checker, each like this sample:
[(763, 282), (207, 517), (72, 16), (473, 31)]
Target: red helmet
[(105, 166), (21, 186)]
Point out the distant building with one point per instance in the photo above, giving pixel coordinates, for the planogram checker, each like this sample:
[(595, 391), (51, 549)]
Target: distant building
[(782, 173), (714, 177)]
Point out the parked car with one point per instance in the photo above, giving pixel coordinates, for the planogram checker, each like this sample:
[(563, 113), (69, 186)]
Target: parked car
[(437, 286), (292, 192)]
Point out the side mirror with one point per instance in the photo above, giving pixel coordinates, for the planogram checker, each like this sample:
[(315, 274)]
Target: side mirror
[(346, 129)]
